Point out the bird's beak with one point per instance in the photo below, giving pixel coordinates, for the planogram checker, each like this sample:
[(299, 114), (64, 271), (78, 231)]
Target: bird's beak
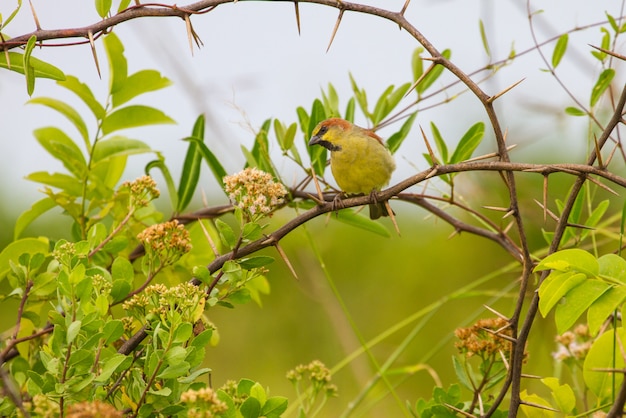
[(315, 140)]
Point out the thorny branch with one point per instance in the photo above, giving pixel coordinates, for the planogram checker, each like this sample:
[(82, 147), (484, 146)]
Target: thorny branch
[(503, 165)]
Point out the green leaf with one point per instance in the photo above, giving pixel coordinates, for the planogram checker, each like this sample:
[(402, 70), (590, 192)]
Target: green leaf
[(122, 269), (118, 146), (250, 408), (570, 260), (433, 75), (191, 167), (132, 117), (85, 94), (576, 302), (604, 81), (562, 394), (574, 111), (214, 164), (604, 307), (173, 371), (29, 70), (353, 218), (72, 331), (256, 261), (226, 233), (118, 67), (317, 154), (169, 181), (483, 37), (559, 50), (349, 115), (360, 95), (28, 216), (66, 110), (111, 365), (395, 140), (467, 145), (417, 63), (139, 83), (380, 108), (65, 182), (113, 330), (182, 333), (63, 148), (14, 250), (103, 7), (42, 69), (555, 286), (604, 354), (123, 5), (260, 150), (613, 267), (439, 143), (274, 407)]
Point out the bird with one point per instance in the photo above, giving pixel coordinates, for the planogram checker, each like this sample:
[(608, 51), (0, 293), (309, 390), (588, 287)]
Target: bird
[(359, 160)]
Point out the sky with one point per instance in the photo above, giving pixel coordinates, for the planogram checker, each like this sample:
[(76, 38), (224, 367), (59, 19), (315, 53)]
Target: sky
[(253, 65)]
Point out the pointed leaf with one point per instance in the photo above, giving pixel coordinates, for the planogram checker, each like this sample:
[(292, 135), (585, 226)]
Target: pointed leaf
[(191, 167), (169, 181), (555, 287), (67, 183), (118, 146), (571, 260), (42, 69), (103, 7), (139, 83), (604, 307), (67, 111), (559, 50), (63, 148), (605, 354), (468, 143), (84, 92), (27, 217), (429, 79), (603, 82), (483, 37), (576, 302), (132, 117), (216, 167), (118, 67), (395, 140), (439, 143)]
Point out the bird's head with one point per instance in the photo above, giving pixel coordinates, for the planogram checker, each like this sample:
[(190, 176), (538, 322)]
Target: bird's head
[(330, 133)]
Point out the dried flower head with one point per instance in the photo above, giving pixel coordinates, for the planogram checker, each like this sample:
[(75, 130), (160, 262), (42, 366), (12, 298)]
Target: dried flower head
[(573, 344), (254, 191), (482, 338), (142, 190), (166, 241), (317, 373), (159, 302), (203, 403), (93, 409)]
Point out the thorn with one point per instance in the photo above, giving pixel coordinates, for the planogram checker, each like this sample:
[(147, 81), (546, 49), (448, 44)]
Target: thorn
[(6, 57), (456, 231), (509, 213), (335, 29), (606, 51), (392, 216), (32, 10), (320, 195), (504, 360), (490, 155), (432, 173), (548, 211), (286, 260), (93, 52), (497, 334), (459, 411), (430, 150), (598, 153), (531, 376), (189, 33), (420, 79), (536, 405), (496, 208), (608, 160), (496, 313), (209, 239), (602, 185), (295, 3), (506, 90), (545, 197), (508, 228), (406, 4)]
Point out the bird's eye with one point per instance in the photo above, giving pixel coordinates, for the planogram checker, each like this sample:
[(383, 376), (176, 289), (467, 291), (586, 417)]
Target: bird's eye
[(322, 130)]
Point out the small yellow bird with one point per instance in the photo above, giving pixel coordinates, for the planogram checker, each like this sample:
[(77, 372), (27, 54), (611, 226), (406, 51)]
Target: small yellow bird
[(359, 160)]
